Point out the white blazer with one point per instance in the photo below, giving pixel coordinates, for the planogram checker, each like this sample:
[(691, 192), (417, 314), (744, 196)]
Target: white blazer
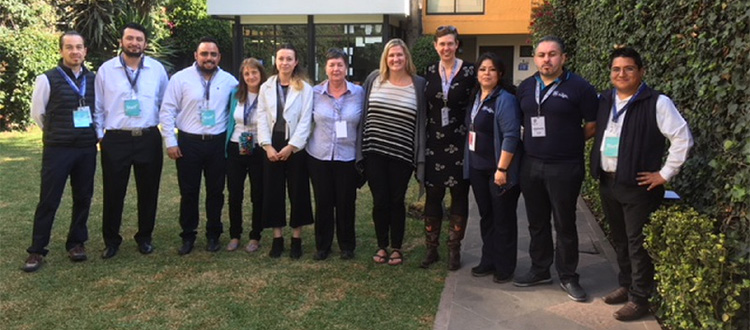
[(297, 113)]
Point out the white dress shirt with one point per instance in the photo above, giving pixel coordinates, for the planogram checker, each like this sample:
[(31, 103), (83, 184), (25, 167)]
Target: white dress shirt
[(185, 98), (40, 97), (113, 88)]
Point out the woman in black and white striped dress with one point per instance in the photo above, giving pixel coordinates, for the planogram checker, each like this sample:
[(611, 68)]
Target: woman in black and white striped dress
[(391, 144)]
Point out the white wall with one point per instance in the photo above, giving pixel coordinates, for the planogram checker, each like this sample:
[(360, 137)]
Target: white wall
[(307, 7)]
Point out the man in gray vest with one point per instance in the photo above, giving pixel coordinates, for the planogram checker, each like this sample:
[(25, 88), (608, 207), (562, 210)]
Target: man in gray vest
[(62, 107)]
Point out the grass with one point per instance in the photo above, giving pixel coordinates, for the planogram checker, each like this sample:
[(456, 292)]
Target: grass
[(202, 290)]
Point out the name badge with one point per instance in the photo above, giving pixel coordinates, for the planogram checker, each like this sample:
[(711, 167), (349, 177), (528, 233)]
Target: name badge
[(82, 117), (537, 127), (472, 140), (611, 146), (132, 108), (208, 117), (445, 119), (340, 129)]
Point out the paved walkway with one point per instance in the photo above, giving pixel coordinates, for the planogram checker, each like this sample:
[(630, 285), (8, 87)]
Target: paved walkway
[(469, 302)]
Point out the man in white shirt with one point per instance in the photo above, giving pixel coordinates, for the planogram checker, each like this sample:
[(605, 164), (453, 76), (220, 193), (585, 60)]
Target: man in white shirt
[(129, 90), (196, 104), (633, 124)]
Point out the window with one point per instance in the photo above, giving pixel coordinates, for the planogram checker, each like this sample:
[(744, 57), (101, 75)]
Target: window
[(455, 6)]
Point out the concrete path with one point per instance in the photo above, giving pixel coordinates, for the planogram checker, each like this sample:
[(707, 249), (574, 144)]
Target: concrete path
[(469, 302)]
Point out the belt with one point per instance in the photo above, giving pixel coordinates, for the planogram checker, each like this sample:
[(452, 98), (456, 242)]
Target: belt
[(202, 137), (608, 175), (132, 131)]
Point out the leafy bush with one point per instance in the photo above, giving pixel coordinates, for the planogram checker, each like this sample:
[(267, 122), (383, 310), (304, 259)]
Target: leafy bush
[(700, 278), (190, 21), (423, 53)]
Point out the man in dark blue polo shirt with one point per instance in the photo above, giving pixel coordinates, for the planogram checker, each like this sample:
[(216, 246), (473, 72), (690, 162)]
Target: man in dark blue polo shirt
[(559, 110)]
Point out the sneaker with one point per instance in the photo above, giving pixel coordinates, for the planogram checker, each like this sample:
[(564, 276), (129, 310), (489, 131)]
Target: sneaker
[(77, 253), (631, 311), (531, 279), (574, 290), (618, 296), (33, 263)]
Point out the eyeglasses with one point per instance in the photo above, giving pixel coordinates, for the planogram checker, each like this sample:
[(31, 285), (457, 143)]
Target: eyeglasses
[(447, 28)]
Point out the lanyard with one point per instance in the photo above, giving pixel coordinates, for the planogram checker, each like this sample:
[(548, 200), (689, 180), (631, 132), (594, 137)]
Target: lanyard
[(280, 94), (249, 109), (133, 81), (206, 84), (616, 114), (80, 91), (546, 95), (445, 80)]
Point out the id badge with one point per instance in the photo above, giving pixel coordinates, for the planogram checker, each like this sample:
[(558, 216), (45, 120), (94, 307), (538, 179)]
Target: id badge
[(246, 143), (611, 146), (340, 129), (82, 117), (472, 140), (444, 116), (208, 117), (537, 127), (132, 108)]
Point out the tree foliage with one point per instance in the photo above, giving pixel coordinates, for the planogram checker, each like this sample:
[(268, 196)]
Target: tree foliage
[(189, 22)]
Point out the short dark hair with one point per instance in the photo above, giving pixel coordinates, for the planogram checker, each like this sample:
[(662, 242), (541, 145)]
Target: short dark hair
[(554, 39), (71, 33), (134, 26), (445, 30), (497, 62), (336, 53), (208, 39), (627, 52)]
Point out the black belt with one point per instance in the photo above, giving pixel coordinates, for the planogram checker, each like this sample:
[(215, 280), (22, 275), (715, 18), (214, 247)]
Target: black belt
[(202, 137), (132, 131)]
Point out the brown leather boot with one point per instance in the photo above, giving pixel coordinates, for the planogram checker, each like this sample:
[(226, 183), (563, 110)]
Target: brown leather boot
[(432, 240), (456, 234)]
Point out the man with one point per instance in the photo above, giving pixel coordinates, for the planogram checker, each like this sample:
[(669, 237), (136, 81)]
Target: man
[(129, 90), (632, 124), (60, 105), (196, 104), (559, 110)]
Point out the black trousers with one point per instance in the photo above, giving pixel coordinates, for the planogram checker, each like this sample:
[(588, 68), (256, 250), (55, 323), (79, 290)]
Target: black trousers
[(201, 157), (628, 209), (240, 167), (121, 151), (335, 187), (57, 164), (388, 179), (552, 189), (433, 206), (498, 223), (277, 177)]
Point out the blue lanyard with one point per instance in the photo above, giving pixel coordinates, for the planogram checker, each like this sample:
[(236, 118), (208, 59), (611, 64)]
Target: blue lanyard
[(80, 91), (616, 114), (538, 92), (445, 80), (248, 109), (206, 84), (133, 81)]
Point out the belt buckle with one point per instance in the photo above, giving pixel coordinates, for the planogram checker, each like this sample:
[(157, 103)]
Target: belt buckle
[(206, 137), (136, 132)]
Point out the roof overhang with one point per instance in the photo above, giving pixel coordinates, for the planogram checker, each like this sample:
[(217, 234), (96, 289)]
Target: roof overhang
[(255, 8)]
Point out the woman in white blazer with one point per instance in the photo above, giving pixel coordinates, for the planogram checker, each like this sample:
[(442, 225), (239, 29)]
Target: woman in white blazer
[(285, 116)]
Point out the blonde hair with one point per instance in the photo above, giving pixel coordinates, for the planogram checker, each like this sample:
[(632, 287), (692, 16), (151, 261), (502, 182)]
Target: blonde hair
[(385, 72)]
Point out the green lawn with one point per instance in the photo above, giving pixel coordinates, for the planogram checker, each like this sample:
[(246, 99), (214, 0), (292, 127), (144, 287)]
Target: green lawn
[(202, 290)]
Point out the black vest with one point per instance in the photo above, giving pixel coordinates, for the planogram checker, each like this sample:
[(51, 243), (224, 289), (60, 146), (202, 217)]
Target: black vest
[(59, 130), (642, 145)]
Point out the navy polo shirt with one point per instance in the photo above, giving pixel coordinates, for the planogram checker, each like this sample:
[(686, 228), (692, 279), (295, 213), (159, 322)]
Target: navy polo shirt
[(572, 103)]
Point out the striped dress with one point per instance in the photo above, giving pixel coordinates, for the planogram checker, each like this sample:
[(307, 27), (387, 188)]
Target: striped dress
[(391, 121)]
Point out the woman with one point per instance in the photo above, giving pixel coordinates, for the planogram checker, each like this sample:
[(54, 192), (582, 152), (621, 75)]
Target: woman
[(285, 113), (491, 163), (244, 155), (449, 85), (391, 144), (337, 107)]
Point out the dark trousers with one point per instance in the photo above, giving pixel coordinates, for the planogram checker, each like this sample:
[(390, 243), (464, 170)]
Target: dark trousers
[(498, 223), (335, 187), (277, 177), (552, 189), (57, 164), (388, 179), (628, 209), (433, 206), (201, 157), (121, 151), (240, 167)]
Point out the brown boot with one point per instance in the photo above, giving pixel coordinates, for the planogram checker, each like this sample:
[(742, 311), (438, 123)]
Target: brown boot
[(432, 240), (456, 234)]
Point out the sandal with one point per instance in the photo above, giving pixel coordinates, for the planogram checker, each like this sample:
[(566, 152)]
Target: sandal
[(396, 258), (380, 258)]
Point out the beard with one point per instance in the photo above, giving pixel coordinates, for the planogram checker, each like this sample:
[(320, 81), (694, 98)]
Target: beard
[(132, 54), (208, 71)]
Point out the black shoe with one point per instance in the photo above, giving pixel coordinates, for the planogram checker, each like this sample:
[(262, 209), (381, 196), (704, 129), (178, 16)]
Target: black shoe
[(77, 253), (187, 247), (321, 255), (109, 252), (213, 245), (574, 290), (145, 248), (347, 255), (531, 279), (482, 270), (277, 247), (501, 278), (296, 248)]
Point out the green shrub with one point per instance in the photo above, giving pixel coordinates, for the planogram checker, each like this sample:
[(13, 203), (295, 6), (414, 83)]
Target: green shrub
[(423, 53)]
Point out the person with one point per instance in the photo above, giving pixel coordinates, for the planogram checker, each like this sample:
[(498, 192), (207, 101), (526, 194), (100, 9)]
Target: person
[(195, 102), (447, 92), (391, 144), (285, 114), (492, 165), (244, 155), (337, 107), (129, 89), (559, 110), (60, 106), (633, 124)]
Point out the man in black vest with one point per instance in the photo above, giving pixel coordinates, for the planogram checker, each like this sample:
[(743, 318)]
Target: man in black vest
[(61, 106), (633, 123)]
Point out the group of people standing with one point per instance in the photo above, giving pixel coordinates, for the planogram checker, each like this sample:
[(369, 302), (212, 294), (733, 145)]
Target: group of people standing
[(459, 126)]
